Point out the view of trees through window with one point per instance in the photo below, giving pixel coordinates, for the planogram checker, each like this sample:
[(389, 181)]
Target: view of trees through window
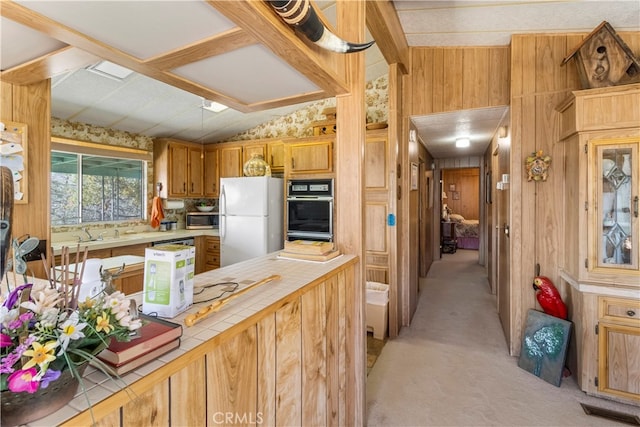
[(87, 188)]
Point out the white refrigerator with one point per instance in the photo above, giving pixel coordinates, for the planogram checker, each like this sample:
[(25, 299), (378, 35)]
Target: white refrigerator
[(251, 217)]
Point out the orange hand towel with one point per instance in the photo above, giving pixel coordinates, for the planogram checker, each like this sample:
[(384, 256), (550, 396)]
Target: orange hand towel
[(156, 212)]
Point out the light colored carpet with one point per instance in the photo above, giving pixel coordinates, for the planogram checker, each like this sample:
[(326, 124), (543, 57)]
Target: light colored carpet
[(451, 367)]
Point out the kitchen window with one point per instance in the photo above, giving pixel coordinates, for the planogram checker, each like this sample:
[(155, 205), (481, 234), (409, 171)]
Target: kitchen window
[(89, 188)]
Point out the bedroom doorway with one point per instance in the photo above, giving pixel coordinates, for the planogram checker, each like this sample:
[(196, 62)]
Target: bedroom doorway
[(461, 195)]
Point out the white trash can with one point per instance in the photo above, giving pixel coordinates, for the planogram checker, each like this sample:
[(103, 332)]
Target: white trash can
[(376, 317)]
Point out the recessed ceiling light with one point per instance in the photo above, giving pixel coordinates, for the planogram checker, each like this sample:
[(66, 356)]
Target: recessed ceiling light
[(213, 106), (462, 142), (110, 70)]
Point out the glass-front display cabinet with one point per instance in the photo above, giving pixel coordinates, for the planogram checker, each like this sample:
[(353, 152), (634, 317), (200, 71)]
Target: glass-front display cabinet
[(616, 195)]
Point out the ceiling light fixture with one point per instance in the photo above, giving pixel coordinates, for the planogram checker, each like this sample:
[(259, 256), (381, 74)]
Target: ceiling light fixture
[(110, 70), (462, 142), (213, 106)]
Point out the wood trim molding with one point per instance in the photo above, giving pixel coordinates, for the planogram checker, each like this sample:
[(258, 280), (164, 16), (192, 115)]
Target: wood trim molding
[(84, 147), (384, 25)]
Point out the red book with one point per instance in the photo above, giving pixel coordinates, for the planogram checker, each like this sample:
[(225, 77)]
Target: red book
[(153, 334), (123, 368)]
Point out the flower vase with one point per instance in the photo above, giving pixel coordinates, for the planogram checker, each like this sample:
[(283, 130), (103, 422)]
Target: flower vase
[(256, 166), (23, 408)]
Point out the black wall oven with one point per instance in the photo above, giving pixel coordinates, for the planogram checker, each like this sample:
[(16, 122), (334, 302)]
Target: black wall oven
[(310, 209)]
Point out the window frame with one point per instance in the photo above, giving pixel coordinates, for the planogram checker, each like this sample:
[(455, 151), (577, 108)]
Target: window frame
[(83, 148)]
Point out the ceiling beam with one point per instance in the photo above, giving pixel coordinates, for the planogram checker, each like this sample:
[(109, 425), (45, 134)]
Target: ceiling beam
[(51, 28), (233, 39), (85, 50), (384, 26), (258, 19), (60, 61)]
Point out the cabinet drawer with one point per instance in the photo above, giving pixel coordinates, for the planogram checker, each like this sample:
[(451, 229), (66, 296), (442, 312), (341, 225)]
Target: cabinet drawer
[(213, 245), (620, 310), (213, 259)]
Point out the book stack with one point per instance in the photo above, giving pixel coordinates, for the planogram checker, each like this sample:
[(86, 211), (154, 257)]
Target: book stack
[(309, 250), (155, 338)]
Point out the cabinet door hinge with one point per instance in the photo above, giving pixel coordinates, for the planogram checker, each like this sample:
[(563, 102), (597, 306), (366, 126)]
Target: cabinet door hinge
[(585, 149), (586, 206), (597, 329), (586, 263), (595, 381)]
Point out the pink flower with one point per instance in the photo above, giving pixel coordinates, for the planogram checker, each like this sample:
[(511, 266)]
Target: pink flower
[(5, 340), (23, 381)]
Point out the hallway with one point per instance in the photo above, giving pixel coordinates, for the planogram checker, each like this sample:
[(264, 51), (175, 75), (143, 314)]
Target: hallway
[(451, 366)]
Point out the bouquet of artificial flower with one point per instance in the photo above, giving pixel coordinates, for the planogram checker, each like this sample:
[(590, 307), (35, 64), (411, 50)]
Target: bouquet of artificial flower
[(44, 330)]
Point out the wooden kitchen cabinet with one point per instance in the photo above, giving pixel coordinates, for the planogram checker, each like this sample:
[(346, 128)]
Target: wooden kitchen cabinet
[(178, 167), (212, 253), (230, 161), (130, 280), (309, 157), (137, 250), (618, 344), (275, 156), (248, 150), (211, 171)]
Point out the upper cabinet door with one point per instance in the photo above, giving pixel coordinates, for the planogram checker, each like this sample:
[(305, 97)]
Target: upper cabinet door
[(310, 157), (614, 217), (178, 170), (194, 188), (211, 172), (230, 161)]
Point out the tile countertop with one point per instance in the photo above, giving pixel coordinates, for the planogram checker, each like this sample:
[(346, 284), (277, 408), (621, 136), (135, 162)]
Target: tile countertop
[(131, 239), (295, 274)]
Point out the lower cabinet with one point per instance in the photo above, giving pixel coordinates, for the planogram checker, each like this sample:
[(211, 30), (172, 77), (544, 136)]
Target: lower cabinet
[(207, 253), (618, 347), (212, 253)]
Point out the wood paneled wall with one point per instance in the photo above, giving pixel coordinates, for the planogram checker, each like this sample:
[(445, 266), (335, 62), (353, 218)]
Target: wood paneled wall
[(31, 105), (538, 84), (458, 78), (467, 188)]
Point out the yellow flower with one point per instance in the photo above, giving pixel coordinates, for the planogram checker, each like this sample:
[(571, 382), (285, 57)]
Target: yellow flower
[(41, 354), (102, 323)]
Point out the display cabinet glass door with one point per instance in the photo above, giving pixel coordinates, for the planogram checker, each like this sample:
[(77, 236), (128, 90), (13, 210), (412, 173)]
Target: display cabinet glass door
[(617, 196)]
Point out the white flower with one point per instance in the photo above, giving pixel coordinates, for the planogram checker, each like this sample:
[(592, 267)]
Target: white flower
[(70, 330), (117, 303), (49, 317), (42, 299), (7, 316)]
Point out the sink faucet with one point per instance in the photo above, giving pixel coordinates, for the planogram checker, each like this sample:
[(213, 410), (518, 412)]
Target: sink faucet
[(86, 230)]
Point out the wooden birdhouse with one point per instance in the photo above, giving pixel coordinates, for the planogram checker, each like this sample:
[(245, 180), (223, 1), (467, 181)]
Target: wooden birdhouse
[(604, 59)]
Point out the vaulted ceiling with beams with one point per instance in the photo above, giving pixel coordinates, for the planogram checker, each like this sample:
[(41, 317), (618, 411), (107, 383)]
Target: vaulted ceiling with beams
[(184, 52)]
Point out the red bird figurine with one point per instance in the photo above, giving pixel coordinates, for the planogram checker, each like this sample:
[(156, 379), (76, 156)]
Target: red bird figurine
[(549, 297)]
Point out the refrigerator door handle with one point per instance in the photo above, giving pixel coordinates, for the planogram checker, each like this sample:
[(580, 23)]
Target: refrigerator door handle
[(223, 214)]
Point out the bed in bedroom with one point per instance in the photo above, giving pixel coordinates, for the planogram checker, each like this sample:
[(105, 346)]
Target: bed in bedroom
[(467, 231)]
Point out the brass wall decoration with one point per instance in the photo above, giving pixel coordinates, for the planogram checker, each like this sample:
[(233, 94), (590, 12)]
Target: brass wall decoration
[(537, 166)]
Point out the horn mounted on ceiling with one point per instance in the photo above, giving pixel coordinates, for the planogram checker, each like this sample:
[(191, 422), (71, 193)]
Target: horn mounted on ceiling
[(301, 15)]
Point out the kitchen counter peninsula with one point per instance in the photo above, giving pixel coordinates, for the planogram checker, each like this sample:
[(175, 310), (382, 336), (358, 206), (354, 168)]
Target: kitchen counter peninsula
[(283, 353)]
